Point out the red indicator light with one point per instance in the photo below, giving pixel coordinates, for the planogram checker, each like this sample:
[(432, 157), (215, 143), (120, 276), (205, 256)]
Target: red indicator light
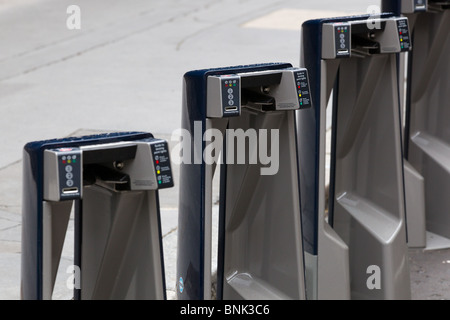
[(157, 161), (64, 161)]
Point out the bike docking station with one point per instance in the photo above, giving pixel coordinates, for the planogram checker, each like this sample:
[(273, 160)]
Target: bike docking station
[(227, 114), (112, 182), (427, 122), (355, 241)]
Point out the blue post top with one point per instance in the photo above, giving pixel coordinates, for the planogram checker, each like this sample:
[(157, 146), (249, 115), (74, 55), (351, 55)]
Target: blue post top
[(37, 146), (348, 18), (203, 73)]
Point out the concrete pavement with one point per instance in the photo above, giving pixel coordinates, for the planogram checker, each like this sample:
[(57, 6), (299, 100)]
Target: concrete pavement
[(123, 71)]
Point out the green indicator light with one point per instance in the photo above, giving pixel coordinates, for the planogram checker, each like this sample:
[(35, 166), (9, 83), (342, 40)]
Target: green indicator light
[(74, 161), (159, 181)]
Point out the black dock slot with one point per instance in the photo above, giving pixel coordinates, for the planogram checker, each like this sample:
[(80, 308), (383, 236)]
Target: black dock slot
[(261, 101), (261, 80), (95, 173), (444, 3), (364, 38), (366, 27), (117, 153)]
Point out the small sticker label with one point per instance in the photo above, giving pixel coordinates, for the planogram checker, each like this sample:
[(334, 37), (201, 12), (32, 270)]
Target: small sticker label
[(403, 33), (181, 285)]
